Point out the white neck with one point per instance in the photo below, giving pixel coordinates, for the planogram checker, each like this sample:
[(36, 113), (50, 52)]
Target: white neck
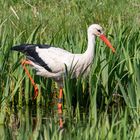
[(89, 53)]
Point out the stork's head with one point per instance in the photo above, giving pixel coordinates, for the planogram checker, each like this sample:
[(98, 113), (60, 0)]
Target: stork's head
[(97, 30)]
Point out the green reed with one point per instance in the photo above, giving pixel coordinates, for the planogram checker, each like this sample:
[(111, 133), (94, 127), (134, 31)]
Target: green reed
[(104, 105)]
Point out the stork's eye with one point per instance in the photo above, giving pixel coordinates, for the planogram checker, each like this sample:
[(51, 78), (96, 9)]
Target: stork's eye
[(99, 30)]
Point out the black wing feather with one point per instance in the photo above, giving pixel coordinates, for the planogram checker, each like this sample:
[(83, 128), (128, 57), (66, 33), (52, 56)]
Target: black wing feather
[(30, 51)]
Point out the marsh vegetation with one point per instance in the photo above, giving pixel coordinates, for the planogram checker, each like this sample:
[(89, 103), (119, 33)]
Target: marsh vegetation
[(105, 105)]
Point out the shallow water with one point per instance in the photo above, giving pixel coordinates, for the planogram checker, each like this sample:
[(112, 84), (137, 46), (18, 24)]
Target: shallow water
[(29, 123)]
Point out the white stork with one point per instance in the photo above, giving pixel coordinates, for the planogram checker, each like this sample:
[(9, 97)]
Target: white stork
[(52, 62)]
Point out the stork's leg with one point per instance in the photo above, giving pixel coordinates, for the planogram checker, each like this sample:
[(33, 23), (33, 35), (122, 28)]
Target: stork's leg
[(24, 62), (59, 105)]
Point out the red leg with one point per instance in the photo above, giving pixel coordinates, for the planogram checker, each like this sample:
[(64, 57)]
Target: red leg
[(28, 74), (59, 105)]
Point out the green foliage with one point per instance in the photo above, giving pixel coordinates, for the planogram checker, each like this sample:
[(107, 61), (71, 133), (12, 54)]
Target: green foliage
[(105, 105)]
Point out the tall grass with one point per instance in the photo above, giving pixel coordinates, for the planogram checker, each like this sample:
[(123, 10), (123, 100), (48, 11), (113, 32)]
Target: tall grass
[(105, 105)]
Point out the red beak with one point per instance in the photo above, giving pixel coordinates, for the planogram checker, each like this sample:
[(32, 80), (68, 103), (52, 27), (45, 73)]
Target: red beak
[(107, 42)]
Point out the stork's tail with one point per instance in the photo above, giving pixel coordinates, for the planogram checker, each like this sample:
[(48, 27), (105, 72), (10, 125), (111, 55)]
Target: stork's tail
[(20, 48)]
